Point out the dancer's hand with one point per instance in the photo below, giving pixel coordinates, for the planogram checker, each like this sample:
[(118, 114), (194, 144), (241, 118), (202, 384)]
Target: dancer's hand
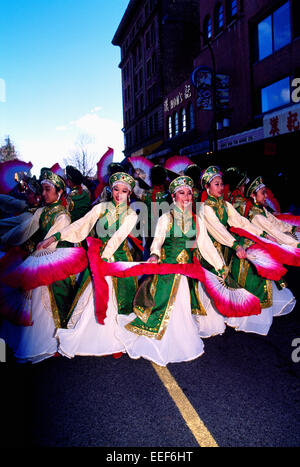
[(45, 243), (153, 259), (272, 239), (241, 253)]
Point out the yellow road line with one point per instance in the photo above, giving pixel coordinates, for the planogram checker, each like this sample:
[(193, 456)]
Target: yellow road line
[(192, 419)]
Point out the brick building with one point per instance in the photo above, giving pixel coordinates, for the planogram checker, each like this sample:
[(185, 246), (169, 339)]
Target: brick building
[(157, 53), (255, 45)]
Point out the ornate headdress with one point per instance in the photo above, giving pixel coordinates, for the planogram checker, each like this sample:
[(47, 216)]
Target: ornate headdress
[(209, 174), (254, 186), (50, 177), (122, 177), (180, 182)]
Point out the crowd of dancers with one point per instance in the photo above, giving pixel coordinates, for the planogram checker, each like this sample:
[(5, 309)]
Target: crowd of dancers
[(149, 263)]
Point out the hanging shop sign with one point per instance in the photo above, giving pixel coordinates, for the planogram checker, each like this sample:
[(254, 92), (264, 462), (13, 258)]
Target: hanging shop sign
[(250, 136), (171, 103), (202, 79), (282, 121)]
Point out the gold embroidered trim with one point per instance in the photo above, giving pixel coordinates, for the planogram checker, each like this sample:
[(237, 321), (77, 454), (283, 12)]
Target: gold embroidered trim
[(269, 290), (218, 204), (130, 259), (183, 257), (243, 271), (54, 308), (114, 213), (196, 311), (49, 211), (144, 313), (184, 220), (159, 333), (78, 295)]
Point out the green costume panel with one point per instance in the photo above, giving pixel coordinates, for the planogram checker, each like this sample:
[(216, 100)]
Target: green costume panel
[(242, 270), (106, 226), (125, 288), (219, 207), (62, 292), (79, 203), (155, 297)]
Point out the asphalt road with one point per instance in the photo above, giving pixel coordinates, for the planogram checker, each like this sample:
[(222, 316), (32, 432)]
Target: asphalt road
[(245, 389)]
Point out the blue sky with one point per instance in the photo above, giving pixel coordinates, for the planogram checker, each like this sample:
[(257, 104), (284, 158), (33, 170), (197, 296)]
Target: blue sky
[(59, 78)]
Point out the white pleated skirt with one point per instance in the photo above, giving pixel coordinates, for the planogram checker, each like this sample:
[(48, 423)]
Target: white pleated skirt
[(283, 303), (211, 324), (181, 341), (37, 342), (87, 336)]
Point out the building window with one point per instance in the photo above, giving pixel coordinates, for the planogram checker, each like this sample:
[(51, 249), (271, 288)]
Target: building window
[(207, 29), (274, 32), (276, 95), (232, 10), (170, 127), (183, 120), (176, 124), (190, 117), (218, 18)]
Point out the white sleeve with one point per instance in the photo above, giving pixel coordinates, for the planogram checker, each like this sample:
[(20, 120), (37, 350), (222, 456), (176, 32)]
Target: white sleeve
[(162, 227), (217, 230), (61, 222), (271, 228), (206, 246), (236, 220), (120, 235), (80, 229)]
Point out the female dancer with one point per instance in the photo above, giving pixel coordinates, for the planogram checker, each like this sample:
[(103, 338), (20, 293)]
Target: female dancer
[(164, 330), (254, 209), (112, 222), (47, 306), (219, 215), (272, 294)]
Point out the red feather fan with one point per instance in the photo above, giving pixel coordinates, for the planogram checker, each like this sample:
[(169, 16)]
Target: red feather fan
[(229, 302), (46, 266), (285, 254)]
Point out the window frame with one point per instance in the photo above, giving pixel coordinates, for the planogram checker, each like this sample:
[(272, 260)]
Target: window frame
[(256, 33), (279, 106), (207, 29), (219, 10)]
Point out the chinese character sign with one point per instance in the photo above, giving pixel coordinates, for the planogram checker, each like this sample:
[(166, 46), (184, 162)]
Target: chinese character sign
[(222, 91), (202, 80), (281, 122)]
